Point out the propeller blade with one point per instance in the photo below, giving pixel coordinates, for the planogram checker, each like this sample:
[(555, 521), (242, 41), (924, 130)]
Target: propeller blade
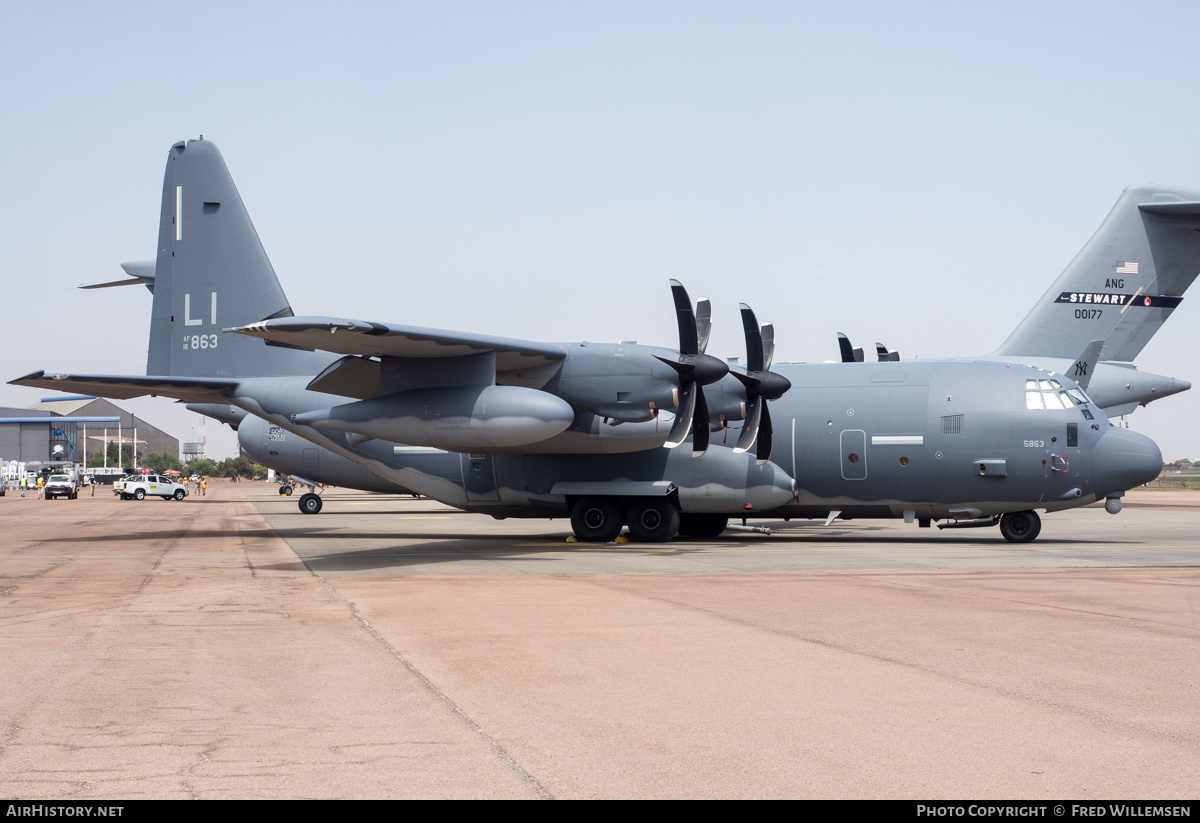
[(894, 356), (703, 322), (754, 343), (846, 348), (858, 355), (768, 343), (882, 352), (683, 416), (750, 428), (689, 342), (766, 438), (701, 433)]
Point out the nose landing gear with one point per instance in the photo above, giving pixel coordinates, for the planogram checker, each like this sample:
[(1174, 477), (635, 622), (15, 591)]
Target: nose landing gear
[(1020, 527)]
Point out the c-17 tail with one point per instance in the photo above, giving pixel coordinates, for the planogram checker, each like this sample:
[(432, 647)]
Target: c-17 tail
[(1123, 284), (1119, 290)]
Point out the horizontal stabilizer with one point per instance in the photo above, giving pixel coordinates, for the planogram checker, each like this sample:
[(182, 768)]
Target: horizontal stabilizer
[(385, 340), (141, 273), (1184, 209), (126, 386)]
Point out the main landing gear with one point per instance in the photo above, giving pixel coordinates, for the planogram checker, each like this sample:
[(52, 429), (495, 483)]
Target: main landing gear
[(310, 503), (650, 520)]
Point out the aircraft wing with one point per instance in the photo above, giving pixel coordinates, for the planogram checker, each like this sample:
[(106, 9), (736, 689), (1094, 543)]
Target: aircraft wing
[(363, 338), (125, 386)]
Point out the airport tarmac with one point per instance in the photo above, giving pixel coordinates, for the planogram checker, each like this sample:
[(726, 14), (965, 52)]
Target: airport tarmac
[(227, 646)]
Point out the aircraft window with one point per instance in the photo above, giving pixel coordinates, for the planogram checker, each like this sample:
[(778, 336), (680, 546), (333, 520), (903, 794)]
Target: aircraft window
[(1045, 385), (853, 458), (1052, 400), (1031, 385), (1056, 384), (1033, 400), (1078, 396), (903, 461)]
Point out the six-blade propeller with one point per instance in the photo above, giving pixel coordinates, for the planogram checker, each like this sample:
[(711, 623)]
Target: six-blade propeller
[(761, 385), (696, 370)]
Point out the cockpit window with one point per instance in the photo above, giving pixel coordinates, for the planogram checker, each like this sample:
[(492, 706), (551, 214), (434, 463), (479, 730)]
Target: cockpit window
[(1050, 394)]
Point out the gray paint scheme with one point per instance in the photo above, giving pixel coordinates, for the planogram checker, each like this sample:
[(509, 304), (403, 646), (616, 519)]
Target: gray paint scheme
[(879, 439)]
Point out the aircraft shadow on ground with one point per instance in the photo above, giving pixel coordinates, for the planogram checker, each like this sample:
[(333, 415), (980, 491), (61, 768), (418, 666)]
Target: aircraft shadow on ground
[(426, 549)]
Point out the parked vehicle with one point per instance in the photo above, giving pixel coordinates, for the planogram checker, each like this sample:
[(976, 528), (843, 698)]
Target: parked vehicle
[(60, 485), (140, 486)]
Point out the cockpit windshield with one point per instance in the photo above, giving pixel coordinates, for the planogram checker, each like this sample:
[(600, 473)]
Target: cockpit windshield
[(1051, 394)]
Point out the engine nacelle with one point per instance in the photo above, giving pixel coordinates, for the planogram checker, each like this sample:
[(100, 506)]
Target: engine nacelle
[(456, 419)]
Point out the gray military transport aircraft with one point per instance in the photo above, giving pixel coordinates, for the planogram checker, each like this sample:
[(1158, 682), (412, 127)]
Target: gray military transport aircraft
[(517, 428)]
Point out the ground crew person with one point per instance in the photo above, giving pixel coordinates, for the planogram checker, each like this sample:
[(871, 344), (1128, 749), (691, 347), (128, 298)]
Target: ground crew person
[(24, 483), (203, 488)]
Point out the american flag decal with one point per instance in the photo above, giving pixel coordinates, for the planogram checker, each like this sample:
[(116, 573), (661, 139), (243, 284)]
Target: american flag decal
[(1127, 267)]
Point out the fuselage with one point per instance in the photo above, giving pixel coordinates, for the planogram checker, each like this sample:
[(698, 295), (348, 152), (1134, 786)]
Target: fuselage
[(924, 440)]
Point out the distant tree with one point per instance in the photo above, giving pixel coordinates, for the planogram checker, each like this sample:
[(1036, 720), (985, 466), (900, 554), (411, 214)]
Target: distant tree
[(159, 462), (125, 461), (239, 467), (203, 467)]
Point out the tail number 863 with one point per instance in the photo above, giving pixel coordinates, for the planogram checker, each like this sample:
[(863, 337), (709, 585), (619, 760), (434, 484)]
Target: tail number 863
[(199, 341)]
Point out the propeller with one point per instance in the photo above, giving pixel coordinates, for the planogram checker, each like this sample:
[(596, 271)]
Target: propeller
[(695, 369), (761, 385), (849, 355), (886, 356)]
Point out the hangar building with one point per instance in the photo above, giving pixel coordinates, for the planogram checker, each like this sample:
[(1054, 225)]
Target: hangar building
[(74, 429)]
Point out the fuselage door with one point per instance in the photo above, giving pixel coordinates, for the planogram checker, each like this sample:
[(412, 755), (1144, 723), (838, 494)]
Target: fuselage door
[(854, 454), (479, 478)]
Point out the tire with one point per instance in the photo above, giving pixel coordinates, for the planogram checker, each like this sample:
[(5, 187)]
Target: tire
[(179, 494), (1020, 527), (595, 520), (124, 496), (653, 520), (140, 494), (285, 490), (310, 503), (703, 526)]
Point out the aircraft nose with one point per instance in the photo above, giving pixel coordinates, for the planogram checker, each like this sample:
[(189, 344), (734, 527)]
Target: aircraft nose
[(250, 437), (1124, 459)]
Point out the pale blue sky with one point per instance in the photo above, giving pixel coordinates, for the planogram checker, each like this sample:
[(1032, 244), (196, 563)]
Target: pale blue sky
[(915, 174)]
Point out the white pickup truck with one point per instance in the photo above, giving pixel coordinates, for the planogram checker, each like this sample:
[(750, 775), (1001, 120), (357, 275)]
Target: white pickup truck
[(141, 486), (60, 485)]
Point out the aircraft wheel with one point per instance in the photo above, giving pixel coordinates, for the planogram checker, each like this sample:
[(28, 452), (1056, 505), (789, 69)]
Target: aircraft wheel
[(179, 494), (703, 526), (1020, 527), (285, 490), (653, 520), (310, 503), (596, 520), (139, 495)]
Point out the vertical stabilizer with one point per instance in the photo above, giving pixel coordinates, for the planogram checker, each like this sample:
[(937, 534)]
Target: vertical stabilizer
[(1123, 285), (212, 273)]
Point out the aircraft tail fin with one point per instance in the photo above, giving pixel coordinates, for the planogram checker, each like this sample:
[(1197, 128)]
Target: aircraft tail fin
[(212, 273), (1123, 284)]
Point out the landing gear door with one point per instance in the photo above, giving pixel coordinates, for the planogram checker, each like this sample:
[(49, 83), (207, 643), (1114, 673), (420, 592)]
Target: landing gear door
[(479, 478)]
